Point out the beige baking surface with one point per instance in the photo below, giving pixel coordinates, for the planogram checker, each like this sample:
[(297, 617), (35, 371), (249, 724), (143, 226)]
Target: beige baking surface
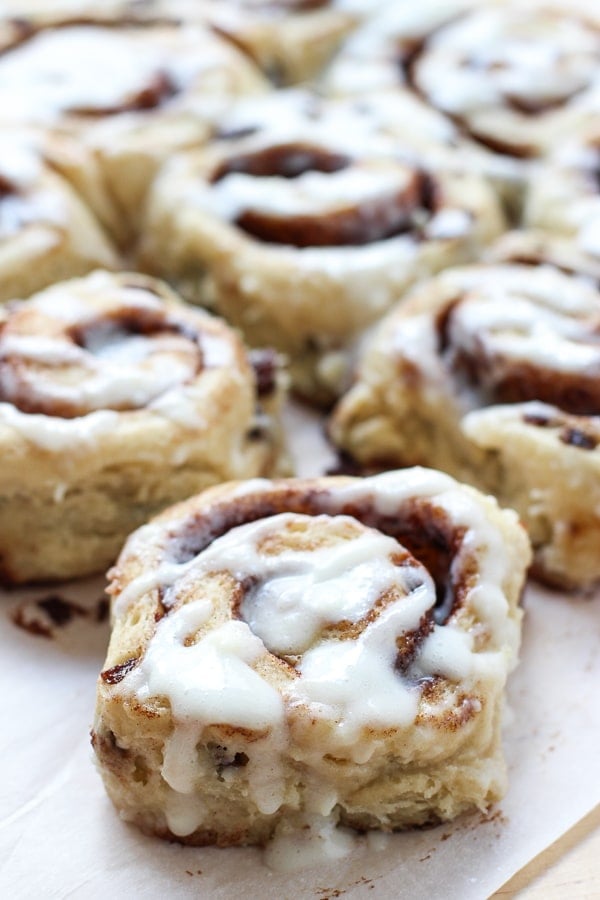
[(59, 836)]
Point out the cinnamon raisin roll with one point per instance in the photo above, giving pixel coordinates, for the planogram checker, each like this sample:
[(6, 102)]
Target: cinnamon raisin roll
[(492, 373), (46, 232), (302, 242), (131, 95), (291, 655), (116, 400)]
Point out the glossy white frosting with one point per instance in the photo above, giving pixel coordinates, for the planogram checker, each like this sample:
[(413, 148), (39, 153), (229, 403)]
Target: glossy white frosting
[(498, 53), (100, 70), (115, 370)]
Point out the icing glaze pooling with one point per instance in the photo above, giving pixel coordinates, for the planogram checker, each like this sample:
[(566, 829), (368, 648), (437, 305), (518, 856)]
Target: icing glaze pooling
[(302, 592)]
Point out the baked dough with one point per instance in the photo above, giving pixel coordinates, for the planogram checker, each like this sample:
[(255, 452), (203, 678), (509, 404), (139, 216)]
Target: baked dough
[(288, 655), (130, 95), (303, 243), (116, 400), (290, 41), (491, 373), (46, 232)]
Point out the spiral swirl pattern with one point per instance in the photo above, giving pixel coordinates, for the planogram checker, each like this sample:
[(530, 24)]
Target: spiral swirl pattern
[(115, 400), (496, 368)]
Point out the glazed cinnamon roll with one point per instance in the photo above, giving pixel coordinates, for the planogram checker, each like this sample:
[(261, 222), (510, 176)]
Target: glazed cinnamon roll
[(492, 373), (131, 95), (46, 232), (505, 73), (302, 242), (290, 655), (564, 195), (116, 400), (508, 72)]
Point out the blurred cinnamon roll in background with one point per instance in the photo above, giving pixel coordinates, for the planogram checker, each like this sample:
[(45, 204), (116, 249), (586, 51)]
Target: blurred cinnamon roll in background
[(130, 95), (46, 232), (116, 400), (288, 656), (564, 193), (303, 242), (511, 76)]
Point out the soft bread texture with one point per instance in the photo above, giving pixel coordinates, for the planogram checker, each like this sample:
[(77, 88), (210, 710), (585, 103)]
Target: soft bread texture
[(115, 401), (345, 691), (490, 373)]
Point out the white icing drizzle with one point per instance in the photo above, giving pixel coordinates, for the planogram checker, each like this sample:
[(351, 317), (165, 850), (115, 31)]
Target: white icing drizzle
[(370, 58), (540, 317), (355, 683), (58, 435), (163, 371), (33, 201), (498, 53), (311, 840), (63, 70), (207, 683), (312, 192), (302, 592)]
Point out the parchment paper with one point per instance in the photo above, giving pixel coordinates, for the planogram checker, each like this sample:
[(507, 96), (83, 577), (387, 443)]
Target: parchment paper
[(60, 837)]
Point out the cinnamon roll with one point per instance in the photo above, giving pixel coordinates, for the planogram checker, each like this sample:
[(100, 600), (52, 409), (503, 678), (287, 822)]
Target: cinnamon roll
[(116, 400), (564, 195), (46, 232), (302, 242), (131, 95), (291, 655), (508, 72), (492, 373), (373, 69), (505, 73)]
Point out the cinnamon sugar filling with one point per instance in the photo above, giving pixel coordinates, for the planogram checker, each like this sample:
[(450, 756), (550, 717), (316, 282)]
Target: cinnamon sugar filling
[(423, 529), (371, 220), (27, 383)]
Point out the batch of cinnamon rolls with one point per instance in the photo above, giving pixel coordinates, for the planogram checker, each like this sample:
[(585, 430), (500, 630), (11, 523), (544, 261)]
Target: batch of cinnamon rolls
[(390, 208)]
